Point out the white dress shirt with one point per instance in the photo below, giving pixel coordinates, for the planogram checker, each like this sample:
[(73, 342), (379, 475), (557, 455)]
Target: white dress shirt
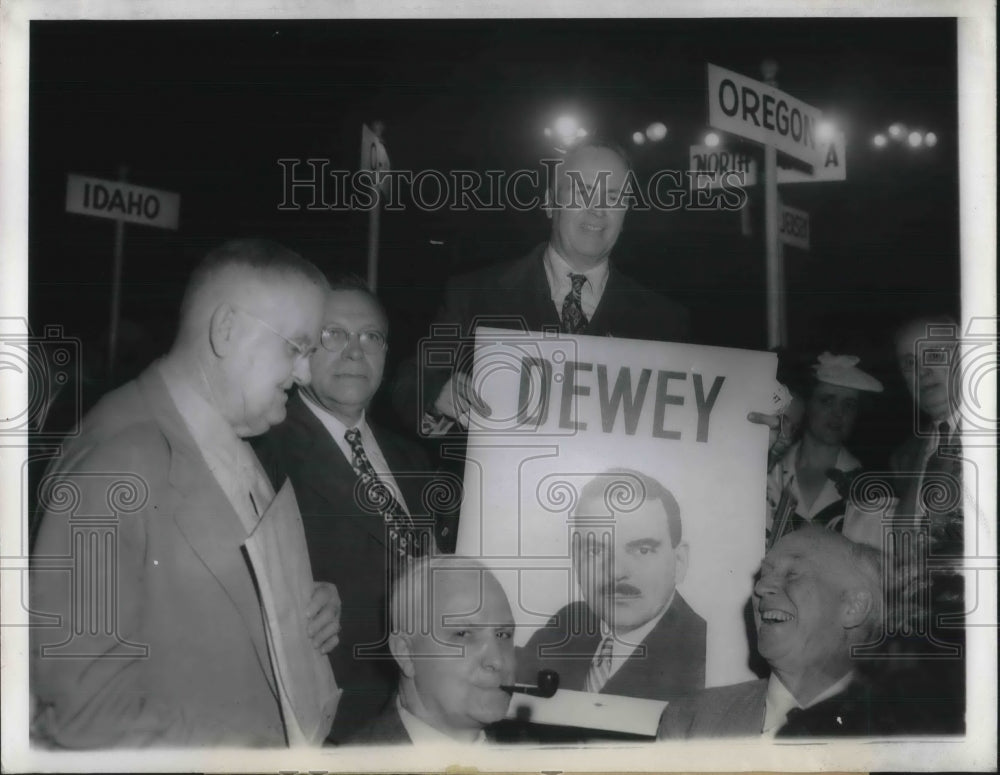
[(337, 429), (422, 733), (232, 461), (557, 272), (779, 701), (235, 466)]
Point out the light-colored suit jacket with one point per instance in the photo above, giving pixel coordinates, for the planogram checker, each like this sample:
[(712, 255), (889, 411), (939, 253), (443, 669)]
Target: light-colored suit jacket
[(723, 711), (154, 633)]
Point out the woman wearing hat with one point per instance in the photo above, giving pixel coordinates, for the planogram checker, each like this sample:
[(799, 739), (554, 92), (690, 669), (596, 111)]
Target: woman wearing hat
[(811, 482)]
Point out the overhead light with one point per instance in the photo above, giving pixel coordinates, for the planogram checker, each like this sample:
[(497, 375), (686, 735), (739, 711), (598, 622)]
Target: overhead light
[(566, 126), (638, 138), (930, 139), (896, 131), (656, 131), (880, 140), (825, 131), (915, 139), (711, 139)]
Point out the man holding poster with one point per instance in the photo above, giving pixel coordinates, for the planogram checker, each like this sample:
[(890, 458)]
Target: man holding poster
[(633, 634), (568, 284)]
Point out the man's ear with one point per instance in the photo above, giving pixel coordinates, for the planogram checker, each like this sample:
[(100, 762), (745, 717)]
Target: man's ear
[(399, 646), (220, 329), (681, 552), (856, 607)]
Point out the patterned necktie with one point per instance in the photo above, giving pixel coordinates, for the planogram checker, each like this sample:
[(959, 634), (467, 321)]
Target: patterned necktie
[(600, 668), (573, 319), (401, 529), (941, 494)]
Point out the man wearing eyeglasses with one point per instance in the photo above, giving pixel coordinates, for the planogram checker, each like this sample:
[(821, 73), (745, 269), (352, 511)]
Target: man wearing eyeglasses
[(159, 621), (360, 490)]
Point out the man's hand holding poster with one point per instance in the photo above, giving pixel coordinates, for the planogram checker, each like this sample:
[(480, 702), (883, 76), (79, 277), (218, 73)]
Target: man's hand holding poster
[(617, 489)]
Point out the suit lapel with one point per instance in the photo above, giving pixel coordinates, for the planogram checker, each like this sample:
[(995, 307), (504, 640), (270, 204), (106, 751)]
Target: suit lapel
[(205, 516), (605, 307), (325, 469), (913, 468), (535, 287)]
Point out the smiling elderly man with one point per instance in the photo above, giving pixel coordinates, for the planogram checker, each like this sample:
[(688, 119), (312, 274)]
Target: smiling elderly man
[(818, 595)]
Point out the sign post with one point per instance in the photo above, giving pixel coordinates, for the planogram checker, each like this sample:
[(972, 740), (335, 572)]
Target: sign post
[(775, 259), (758, 111), (116, 284), (374, 158), (120, 202)]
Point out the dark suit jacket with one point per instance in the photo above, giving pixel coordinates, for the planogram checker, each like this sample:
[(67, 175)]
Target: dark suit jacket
[(673, 663), (347, 545), (943, 480), (187, 662), (516, 295), (385, 729), (861, 710)]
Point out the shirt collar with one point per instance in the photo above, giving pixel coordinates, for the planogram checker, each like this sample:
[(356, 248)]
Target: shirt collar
[(421, 732), (211, 432), (557, 270), (332, 423)]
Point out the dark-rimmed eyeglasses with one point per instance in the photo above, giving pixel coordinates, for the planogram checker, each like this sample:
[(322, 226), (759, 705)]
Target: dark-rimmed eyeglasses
[(335, 340)]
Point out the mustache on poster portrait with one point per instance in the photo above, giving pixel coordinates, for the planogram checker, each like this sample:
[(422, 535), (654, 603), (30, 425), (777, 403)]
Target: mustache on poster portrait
[(622, 588)]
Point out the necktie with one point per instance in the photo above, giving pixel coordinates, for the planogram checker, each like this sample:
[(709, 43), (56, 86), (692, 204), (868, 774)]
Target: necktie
[(941, 494), (402, 535), (573, 319), (600, 668)]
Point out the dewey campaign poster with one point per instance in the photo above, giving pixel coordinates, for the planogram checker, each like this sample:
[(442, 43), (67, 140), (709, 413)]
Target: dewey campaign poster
[(587, 446)]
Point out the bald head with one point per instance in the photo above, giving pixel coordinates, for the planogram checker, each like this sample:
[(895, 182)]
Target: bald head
[(452, 637)]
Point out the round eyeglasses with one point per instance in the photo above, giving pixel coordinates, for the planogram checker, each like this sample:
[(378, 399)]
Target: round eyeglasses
[(336, 339)]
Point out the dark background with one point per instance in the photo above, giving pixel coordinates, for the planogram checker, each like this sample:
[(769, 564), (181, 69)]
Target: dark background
[(207, 108)]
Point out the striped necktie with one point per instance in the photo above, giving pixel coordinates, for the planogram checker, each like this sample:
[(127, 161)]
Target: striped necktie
[(379, 496), (573, 319), (600, 668)]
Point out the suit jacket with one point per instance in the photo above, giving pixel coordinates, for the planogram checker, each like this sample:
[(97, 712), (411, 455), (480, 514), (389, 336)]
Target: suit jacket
[(176, 654), (673, 663), (723, 711), (862, 709), (347, 546), (385, 729), (943, 478), (516, 295)]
